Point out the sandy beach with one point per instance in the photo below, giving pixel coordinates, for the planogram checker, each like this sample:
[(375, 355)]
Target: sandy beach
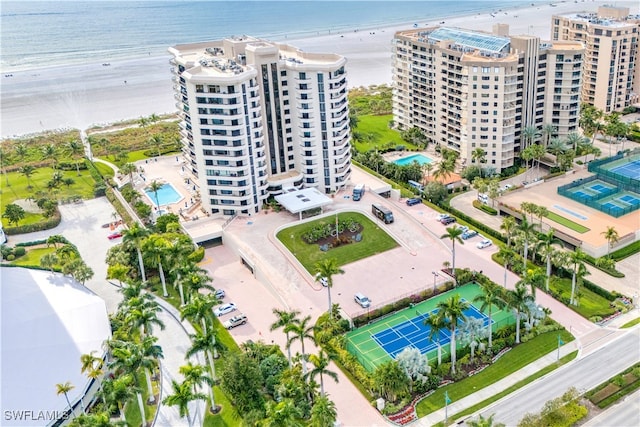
[(81, 96)]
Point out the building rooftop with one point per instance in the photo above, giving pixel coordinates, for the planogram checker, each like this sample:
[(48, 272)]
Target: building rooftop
[(471, 39), (594, 19)]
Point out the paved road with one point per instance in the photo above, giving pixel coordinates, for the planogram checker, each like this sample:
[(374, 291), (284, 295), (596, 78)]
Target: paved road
[(623, 414), (583, 374)]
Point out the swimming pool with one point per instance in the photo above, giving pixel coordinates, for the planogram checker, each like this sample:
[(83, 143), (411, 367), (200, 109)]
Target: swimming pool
[(420, 158), (166, 195)]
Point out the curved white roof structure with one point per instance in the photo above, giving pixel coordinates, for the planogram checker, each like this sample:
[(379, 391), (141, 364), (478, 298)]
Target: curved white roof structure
[(48, 321)]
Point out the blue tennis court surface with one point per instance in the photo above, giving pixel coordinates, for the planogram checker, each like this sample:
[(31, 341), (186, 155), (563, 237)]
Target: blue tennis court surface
[(628, 198), (631, 169), (583, 195), (611, 207), (600, 188), (414, 333)]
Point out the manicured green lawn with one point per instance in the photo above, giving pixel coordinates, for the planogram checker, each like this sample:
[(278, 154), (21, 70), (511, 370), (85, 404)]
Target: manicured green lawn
[(376, 133), (227, 417), (32, 257), (591, 304), (567, 223), (517, 358), (374, 241), (631, 323), (17, 188), (132, 410), (104, 170)]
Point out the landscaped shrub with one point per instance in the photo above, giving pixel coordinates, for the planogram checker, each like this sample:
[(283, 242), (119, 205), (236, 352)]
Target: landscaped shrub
[(48, 224), (476, 224), (32, 243), (626, 251), (197, 255), (19, 251), (10, 257), (71, 166), (611, 296)]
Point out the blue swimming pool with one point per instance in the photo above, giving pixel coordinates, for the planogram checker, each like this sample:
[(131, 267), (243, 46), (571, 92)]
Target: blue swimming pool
[(166, 195), (420, 158)]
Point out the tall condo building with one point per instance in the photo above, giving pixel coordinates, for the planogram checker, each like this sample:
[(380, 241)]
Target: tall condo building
[(611, 80), (467, 90), (259, 117)]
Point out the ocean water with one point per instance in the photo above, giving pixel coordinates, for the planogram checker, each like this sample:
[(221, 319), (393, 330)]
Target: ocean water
[(37, 34)]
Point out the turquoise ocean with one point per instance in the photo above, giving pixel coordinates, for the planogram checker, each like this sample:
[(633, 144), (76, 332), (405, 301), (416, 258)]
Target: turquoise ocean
[(37, 34)]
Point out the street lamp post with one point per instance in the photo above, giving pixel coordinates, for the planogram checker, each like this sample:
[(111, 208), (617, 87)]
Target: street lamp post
[(435, 276)]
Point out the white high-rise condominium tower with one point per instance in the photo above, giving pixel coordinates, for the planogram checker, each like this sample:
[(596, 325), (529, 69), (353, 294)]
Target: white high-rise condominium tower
[(259, 117), (467, 89)]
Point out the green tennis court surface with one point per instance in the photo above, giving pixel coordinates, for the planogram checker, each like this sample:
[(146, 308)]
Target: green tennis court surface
[(382, 340)]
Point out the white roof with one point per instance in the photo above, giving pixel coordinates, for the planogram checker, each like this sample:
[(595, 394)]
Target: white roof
[(48, 321), (301, 200)]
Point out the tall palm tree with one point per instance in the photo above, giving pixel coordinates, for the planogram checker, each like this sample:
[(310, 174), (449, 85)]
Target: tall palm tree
[(155, 186), (145, 317), (323, 412), (300, 330), (545, 247), (156, 141), (21, 151), (118, 391), (492, 296), (194, 281), (157, 247), (129, 169), (320, 363), (529, 134), (325, 270), (478, 155), (526, 230), (612, 237), (453, 234), (285, 318), (436, 324), (452, 311), (27, 171), (135, 236), (509, 226), (547, 133), (390, 380), (445, 169), (49, 261), (197, 376), (49, 151), (199, 309), (576, 260), (93, 367), (65, 389), (181, 397), (129, 358), (75, 149), (206, 343), (517, 300)]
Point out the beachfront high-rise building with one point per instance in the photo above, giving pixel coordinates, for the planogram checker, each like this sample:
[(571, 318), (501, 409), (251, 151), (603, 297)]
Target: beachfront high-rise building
[(611, 79), (259, 117), (467, 89)]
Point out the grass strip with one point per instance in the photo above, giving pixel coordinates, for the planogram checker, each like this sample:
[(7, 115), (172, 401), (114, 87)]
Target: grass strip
[(531, 378), (519, 357), (631, 323), (567, 223), (605, 403)]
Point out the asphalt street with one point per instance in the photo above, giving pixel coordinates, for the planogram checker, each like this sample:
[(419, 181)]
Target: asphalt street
[(623, 414)]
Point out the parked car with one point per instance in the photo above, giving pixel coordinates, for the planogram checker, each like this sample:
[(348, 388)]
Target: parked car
[(469, 234), (413, 201), (224, 309), (484, 243), (237, 320), (323, 280), (362, 300), (448, 220), (219, 293), (442, 216), (464, 228), (115, 235)]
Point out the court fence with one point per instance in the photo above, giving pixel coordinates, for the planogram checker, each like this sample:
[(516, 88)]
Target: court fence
[(621, 181)]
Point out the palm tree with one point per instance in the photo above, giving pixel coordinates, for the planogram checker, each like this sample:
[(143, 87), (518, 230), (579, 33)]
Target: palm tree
[(526, 230), (199, 309), (323, 412), (390, 380), (129, 169), (453, 233), (27, 171), (492, 296), (135, 236), (576, 259), (529, 134), (157, 246), (156, 141), (144, 316), (118, 391), (181, 397), (49, 261), (517, 299), (21, 151), (479, 155), (320, 364), (196, 375), (612, 237), (65, 389), (484, 422), (196, 280), (204, 342), (436, 324), (300, 330), (547, 133), (129, 358), (155, 186), (282, 414), (545, 246), (509, 226), (285, 318), (49, 151), (451, 311), (325, 270), (445, 169), (75, 149)]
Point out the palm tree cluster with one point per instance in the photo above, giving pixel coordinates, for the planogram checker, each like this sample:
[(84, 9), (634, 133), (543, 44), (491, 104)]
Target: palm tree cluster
[(66, 258)]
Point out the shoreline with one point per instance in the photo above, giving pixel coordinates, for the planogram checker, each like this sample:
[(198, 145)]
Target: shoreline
[(82, 95)]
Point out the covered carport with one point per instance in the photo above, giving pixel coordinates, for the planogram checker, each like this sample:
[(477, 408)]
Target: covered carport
[(298, 201)]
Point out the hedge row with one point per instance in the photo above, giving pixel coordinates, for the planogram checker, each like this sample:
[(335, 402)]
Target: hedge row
[(33, 243), (484, 208), (47, 224), (476, 224), (610, 296), (164, 149), (611, 272), (626, 251)]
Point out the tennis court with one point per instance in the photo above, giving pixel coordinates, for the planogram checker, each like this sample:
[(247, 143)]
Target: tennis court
[(382, 340), (630, 169)]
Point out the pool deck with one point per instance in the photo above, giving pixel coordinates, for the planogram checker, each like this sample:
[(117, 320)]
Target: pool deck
[(546, 194)]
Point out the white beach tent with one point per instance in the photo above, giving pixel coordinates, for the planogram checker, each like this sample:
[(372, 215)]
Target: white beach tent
[(48, 321)]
